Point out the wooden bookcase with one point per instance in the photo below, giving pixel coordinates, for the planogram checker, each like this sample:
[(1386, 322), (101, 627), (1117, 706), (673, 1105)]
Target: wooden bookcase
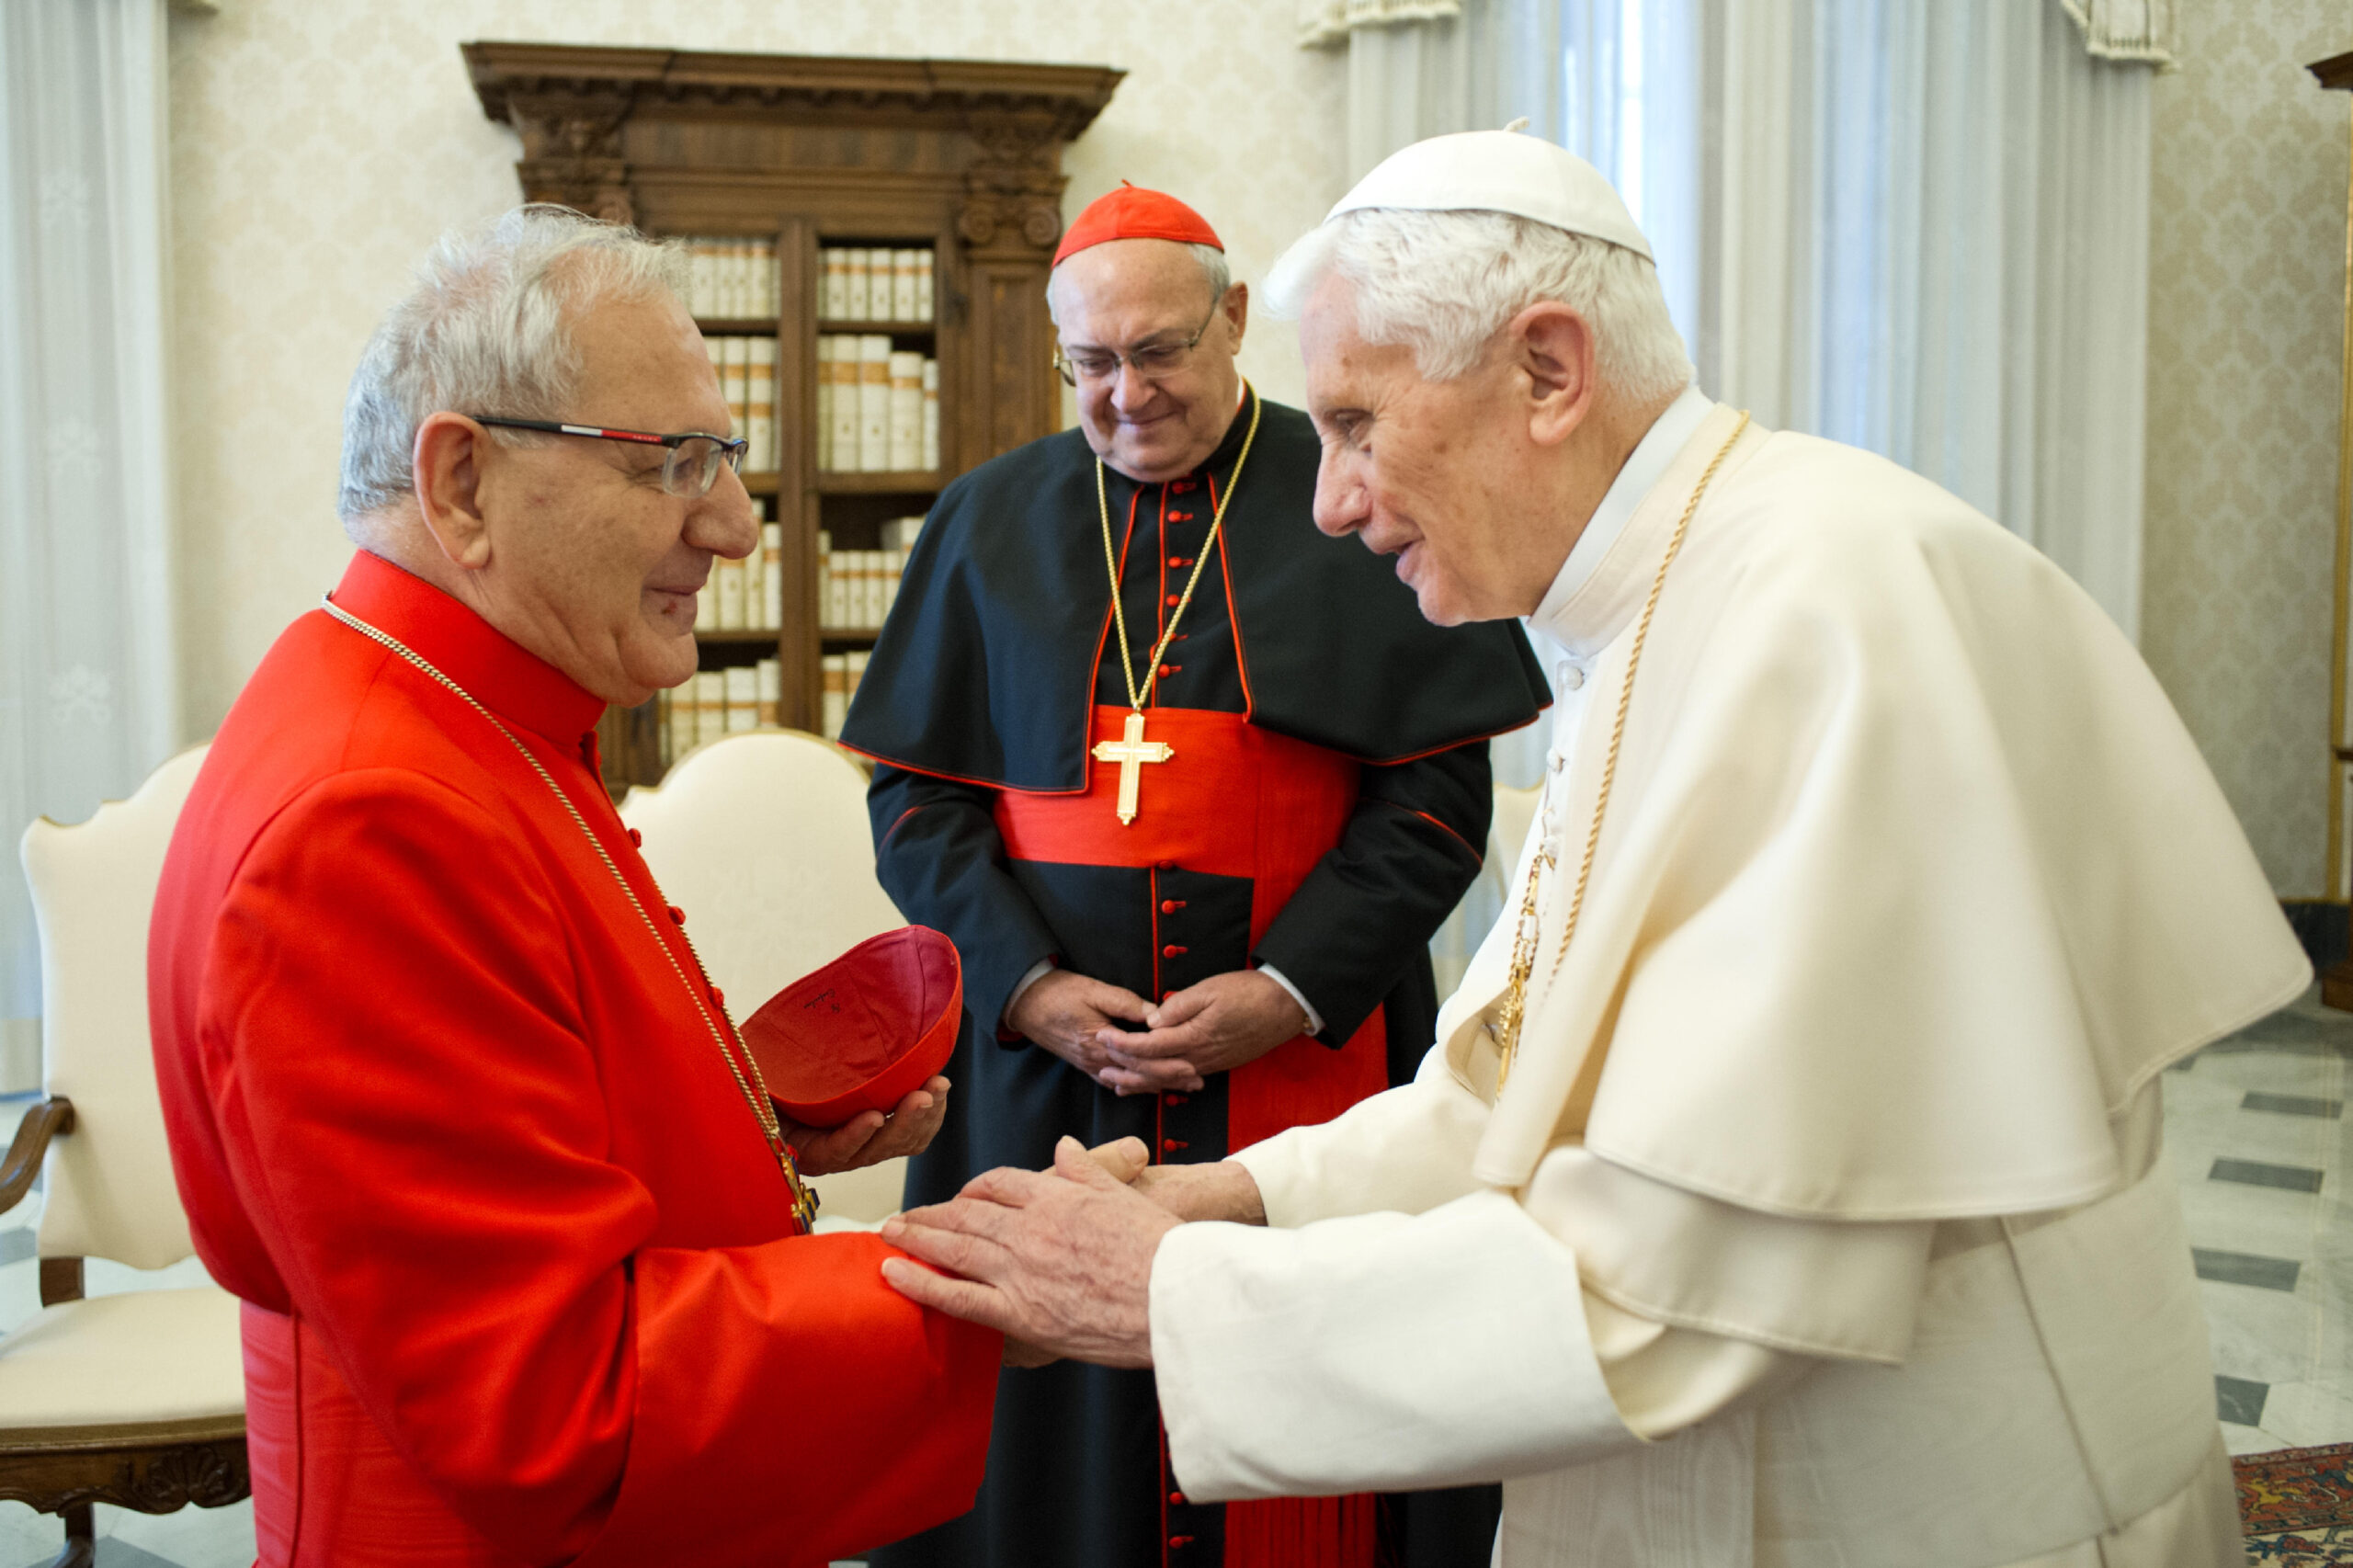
[(961, 158)]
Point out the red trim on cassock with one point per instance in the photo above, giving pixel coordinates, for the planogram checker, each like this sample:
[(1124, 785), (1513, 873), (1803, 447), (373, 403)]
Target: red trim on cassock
[(1233, 801), (898, 825), (1476, 857)]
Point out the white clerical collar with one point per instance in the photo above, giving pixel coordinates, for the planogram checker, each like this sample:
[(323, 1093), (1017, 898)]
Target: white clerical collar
[(1645, 468)]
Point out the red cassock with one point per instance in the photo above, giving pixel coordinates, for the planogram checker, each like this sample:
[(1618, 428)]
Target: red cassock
[(524, 1283)]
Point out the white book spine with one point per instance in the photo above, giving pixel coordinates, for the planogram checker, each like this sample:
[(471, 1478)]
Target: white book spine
[(823, 424), (931, 415), (742, 699), (772, 576), (874, 403), (836, 693), (734, 380), (907, 412), (845, 404), (877, 587), (856, 278), (771, 281), (833, 293), (902, 285), (760, 428), (711, 706), (771, 673), (926, 295), (729, 575)]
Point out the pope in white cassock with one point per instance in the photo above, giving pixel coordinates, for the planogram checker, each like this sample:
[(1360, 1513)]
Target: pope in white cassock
[(1784, 1185)]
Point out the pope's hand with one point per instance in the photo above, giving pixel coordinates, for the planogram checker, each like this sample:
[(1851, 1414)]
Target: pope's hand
[(1225, 1190), (1067, 1013), (1224, 1022), (870, 1136), (1060, 1261)]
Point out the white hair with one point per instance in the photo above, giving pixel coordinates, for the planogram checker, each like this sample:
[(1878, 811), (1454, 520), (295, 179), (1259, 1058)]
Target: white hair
[(486, 331), (1443, 284), (1210, 260)]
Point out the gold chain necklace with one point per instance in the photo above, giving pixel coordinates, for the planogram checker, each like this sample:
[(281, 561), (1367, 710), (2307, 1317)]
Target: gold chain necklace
[(754, 1088), (1131, 749), (1513, 1011)]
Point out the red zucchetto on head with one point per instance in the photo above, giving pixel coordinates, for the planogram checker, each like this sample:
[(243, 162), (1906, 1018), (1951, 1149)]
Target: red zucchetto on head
[(1132, 213)]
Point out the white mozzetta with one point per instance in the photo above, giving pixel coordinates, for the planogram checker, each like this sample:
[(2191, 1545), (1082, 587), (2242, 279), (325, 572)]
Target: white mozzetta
[(1276, 1380)]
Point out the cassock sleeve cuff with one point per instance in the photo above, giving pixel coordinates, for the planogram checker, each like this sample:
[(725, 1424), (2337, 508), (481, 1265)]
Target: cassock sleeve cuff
[(1408, 1150), (1375, 1353), (1315, 1018)]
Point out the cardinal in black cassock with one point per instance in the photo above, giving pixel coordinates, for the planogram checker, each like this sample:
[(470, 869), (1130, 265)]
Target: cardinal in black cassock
[(1282, 781)]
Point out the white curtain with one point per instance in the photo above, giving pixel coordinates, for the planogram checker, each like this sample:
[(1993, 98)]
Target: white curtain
[(87, 684), (1918, 226)]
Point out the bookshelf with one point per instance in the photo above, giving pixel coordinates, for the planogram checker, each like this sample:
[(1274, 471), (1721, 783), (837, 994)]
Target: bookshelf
[(805, 155)]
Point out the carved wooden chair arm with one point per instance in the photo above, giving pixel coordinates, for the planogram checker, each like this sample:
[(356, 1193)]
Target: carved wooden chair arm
[(44, 1122)]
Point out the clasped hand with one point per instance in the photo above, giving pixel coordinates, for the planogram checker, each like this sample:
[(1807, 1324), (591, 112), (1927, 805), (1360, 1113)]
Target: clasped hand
[(1214, 1026)]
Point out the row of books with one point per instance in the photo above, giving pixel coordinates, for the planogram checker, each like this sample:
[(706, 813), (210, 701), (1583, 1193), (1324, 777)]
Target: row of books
[(746, 595), (856, 589), (875, 285), (746, 367), (878, 408), (731, 278), (719, 702), (838, 677)]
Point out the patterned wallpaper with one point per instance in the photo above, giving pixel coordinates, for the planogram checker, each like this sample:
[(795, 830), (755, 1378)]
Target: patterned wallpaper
[(2246, 295), (318, 148)]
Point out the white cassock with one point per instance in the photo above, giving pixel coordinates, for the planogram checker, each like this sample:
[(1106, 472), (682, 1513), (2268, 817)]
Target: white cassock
[(1823, 1221)]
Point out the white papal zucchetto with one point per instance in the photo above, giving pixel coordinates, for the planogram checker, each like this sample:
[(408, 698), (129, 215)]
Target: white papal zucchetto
[(1499, 171)]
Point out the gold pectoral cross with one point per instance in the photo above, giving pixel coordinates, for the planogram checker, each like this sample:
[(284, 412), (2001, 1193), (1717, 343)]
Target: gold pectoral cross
[(1130, 751)]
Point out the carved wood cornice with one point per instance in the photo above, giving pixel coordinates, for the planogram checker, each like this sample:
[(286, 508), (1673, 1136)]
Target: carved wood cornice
[(570, 103)]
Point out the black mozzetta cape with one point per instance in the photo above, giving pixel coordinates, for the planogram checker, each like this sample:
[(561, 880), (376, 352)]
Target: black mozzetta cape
[(986, 672)]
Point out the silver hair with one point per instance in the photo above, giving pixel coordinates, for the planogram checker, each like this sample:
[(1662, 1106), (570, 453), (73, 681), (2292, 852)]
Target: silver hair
[(1443, 284), (485, 330), (1210, 260)]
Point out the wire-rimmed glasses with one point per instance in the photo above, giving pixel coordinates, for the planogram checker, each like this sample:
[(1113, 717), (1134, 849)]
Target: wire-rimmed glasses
[(1153, 361), (689, 468)]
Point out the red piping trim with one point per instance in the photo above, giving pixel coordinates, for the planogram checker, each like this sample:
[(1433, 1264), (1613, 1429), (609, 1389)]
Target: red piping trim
[(1234, 621), (1476, 857), (900, 823), (1078, 789)]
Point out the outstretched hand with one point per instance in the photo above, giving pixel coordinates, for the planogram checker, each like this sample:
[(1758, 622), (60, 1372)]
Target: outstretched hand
[(1059, 1261), (870, 1137)]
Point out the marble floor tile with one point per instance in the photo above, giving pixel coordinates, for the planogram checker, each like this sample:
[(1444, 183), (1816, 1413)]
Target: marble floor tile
[(2308, 1415), (2267, 1221), (2241, 1439), (2240, 1400), (2245, 1268), (2265, 1336), (2292, 1104), (2255, 1172)]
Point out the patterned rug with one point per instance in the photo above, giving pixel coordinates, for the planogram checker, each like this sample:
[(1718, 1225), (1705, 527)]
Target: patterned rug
[(2297, 1507)]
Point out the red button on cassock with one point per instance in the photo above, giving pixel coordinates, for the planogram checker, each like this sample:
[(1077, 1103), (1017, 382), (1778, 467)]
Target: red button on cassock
[(677, 915), (1176, 600), (1170, 1145), (1170, 669), (1171, 905), (637, 839), (1177, 1498), (1171, 950)]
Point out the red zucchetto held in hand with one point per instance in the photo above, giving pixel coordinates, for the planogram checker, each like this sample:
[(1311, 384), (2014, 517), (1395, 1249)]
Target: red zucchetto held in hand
[(864, 1031), (1132, 213)]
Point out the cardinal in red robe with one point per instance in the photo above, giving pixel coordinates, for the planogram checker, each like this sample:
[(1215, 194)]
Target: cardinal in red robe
[(454, 1110)]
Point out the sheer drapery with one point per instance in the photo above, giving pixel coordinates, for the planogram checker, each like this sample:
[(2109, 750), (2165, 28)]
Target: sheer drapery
[(1919, 226), (88, 685)]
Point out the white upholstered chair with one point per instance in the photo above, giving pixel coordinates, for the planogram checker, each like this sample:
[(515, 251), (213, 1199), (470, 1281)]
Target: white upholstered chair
[(762, 840), (136, 1399)]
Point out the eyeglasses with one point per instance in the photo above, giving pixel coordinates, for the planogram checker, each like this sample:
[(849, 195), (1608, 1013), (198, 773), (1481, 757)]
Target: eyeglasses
[(1151, 362), (689, 469)]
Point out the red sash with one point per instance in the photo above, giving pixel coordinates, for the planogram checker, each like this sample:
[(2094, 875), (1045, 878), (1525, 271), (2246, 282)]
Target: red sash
[(1233, 801)]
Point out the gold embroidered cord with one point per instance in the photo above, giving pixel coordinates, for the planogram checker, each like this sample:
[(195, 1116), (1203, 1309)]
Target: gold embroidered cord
[(1513, 1011), (1137, 698)]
